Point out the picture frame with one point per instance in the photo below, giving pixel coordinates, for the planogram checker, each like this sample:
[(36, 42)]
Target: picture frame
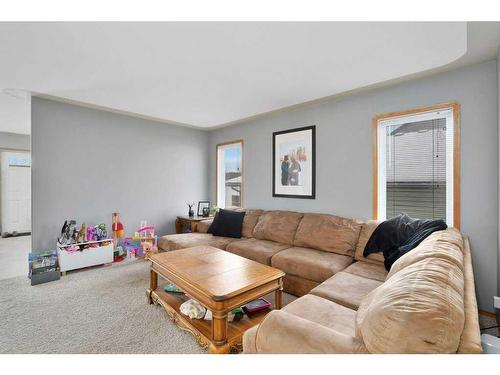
[(201, 205), (294, 163)]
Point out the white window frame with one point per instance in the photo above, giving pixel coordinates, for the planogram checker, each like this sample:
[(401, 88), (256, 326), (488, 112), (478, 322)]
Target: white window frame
[(220, 177), (451, 113)]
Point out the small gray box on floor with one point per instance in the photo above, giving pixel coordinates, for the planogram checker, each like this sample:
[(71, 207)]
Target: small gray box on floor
[(45, 277)]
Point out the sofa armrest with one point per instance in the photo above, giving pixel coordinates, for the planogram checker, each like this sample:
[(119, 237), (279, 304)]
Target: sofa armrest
[(281, 332), (202, 226)]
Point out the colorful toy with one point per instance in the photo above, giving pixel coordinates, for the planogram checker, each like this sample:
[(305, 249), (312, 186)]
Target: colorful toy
[(147, 231), (148, 239), (90, 234), (119, 254), (82, 234), (100, 232), (142, 243), (117, 226), (72, 248), (68, 233), (148, 249), (130, 244)]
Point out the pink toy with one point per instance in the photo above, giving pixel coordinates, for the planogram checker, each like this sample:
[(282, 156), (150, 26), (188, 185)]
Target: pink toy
[(72, 248), (147, 240), (149, 248), (90, 233), (147, 231)]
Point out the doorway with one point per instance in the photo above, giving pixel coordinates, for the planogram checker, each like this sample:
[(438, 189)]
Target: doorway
[(15, 191), (15, 212)]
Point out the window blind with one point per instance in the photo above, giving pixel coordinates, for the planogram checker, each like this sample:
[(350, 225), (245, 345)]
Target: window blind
[(415, 165)]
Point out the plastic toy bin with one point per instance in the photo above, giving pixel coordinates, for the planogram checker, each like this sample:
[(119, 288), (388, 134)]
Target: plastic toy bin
[(92, 256)]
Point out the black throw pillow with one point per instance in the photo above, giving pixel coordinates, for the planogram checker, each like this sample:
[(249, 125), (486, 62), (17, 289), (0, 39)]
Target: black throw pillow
[(227, 223), (214, 224)]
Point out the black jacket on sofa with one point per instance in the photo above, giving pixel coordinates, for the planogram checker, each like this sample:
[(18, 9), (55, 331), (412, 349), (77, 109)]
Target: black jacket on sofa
[(396, 236)]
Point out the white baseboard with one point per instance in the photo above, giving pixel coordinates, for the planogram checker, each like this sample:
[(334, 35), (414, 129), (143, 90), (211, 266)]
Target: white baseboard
[(496, 302)]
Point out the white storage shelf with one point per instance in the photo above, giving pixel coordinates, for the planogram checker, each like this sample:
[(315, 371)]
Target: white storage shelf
[(91, 256)]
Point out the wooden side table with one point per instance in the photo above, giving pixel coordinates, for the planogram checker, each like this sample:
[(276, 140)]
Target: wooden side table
[(190, 222)]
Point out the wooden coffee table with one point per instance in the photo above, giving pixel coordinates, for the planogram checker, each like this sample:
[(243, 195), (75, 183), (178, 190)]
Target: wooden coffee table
[(221, 282)]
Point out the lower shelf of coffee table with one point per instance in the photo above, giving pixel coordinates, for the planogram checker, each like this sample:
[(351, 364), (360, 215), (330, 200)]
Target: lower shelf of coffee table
[(200, 328)]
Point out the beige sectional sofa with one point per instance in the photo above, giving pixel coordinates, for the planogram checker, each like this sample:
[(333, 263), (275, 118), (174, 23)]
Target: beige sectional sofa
[(349, 303)]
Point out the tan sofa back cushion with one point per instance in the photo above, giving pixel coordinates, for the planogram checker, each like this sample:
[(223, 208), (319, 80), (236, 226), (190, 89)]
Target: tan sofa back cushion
[(367, 228), (446, 244), (420, 309), (470, 342), (328, 232), (278, 226), (202, 226), (249, 222)]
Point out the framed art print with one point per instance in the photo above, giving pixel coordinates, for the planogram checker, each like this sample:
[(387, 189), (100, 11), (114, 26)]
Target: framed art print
[(294, 163)]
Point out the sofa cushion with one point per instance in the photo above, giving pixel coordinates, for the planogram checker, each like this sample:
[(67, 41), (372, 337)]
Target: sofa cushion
[(368, 270), (184, 240), (446, 244), (324, 312), (250, 220), (249, 340), (277, 226), (296, 285), (367, 228), (312, 264), (259, 250), (346, 289), (420, 309), (284, 333), (202, 226), (328, 232), (470, 341)]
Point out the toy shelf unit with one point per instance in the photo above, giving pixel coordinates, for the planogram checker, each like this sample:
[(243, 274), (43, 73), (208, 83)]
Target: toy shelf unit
[(99, 252)]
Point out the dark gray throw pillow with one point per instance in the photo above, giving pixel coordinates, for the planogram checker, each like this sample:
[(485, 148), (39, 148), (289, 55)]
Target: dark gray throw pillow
[(214, 224), (227, 223)]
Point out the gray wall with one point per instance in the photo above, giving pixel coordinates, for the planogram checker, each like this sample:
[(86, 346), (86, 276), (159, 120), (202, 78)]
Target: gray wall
[(12, 141), (344, 155), (88, 163), (498, 182)]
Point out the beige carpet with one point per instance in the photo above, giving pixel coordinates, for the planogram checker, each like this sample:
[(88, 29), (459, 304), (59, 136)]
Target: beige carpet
[(14, 256), (100, 310)]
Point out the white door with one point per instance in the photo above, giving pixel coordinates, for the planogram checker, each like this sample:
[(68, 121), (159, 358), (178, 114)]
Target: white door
[(16, 192)]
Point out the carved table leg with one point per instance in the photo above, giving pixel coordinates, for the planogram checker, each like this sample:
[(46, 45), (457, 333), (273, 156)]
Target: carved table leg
[(216, 349), (153, 284), (219, 334), (278, 299)]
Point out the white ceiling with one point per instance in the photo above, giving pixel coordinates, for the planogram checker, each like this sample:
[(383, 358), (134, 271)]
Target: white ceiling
[(209, 74), (15, 114)]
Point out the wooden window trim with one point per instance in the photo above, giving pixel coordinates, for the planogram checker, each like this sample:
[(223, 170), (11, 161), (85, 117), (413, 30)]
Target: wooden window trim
[(455, 106), (217, 169)]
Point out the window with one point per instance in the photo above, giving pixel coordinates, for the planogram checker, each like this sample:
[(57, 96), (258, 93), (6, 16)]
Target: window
[(229, 174), (417, 164)]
